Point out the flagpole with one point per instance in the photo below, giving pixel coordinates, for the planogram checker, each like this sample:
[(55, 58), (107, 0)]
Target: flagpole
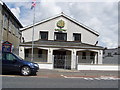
[(32, 56)]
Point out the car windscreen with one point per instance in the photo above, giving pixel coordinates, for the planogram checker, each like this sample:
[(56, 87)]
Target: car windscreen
[(18, 57)]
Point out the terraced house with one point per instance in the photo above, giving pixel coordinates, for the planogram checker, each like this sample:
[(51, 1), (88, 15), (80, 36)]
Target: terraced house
[(61, 42), (9, 27)]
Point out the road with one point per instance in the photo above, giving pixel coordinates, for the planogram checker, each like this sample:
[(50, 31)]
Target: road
[(40, 82)]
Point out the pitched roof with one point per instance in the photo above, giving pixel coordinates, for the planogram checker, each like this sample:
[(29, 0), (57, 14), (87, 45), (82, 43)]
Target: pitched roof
[(65, 16)]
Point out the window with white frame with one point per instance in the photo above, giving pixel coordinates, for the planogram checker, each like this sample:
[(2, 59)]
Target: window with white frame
[(77, 37), (43, 35), (60, 36)]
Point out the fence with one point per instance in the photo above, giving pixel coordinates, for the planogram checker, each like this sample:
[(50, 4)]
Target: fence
[(86, 59)]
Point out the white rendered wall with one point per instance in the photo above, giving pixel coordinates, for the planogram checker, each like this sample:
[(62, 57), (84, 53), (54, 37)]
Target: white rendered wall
[(50, 26), (98, 67), (45, 66), (21, 52)]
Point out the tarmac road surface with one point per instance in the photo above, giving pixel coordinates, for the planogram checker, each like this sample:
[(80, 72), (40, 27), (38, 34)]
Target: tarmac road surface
[(38, 82)]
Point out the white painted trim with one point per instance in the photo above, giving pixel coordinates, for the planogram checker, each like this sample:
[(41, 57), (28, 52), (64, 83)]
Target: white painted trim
[(99, 67)]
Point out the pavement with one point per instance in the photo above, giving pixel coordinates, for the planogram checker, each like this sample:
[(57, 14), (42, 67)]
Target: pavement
[(62, 73)]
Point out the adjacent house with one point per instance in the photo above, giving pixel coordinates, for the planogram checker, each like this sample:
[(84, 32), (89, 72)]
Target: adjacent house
[(61, 42), (111, 56), (9, 27)]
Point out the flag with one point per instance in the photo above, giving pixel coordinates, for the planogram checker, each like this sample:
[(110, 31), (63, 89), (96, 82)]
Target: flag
[(33, 4)]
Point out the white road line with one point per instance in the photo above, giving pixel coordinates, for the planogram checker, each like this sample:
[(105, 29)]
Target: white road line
[(100, 78), (71, 77), (89, 78), (9, 76), (106, 78), (97, 78)]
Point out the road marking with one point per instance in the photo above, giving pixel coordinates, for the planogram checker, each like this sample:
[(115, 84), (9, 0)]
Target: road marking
[(97, 78), (88, 78), (100, 78), (69, 77), (108, 78), (10, 76)]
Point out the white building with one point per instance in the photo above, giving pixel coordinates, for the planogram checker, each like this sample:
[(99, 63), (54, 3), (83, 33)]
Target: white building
[(61, 42)]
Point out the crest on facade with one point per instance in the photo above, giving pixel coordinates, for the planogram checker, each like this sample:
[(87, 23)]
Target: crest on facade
[(60, 25)]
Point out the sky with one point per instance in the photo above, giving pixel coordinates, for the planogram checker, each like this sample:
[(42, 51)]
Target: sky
[(100, 16)]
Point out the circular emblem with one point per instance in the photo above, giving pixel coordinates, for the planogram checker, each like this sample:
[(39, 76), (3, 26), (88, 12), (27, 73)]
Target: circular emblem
[(60, 24)]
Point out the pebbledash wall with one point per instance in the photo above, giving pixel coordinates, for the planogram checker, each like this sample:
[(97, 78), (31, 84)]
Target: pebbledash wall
[(9, 27), (79, 52)]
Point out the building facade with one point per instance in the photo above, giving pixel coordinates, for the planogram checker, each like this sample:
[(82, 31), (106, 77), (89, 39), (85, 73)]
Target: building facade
[(61, 42), (9, 27), (111, 56)]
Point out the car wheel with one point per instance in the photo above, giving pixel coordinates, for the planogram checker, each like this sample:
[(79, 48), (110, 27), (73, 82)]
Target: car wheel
[(25, 70)]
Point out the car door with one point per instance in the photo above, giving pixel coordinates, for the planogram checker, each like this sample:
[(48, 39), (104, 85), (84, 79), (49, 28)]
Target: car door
[(9, 63), (4, 68)]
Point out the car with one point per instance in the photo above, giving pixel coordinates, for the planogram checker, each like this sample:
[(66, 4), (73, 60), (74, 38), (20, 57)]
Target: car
[(13, 63)]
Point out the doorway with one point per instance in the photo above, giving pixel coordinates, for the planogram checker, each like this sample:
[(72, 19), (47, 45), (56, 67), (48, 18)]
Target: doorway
[(61, 59)]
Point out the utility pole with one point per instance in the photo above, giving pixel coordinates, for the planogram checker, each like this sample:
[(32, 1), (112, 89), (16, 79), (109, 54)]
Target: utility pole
[(32, 56)]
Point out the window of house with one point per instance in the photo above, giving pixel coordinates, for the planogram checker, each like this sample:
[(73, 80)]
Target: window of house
[(26, 52), (77, 37), (13, 28), (16, 30), (40, 53), (10, 25), (115, 53), (60, 36), (44, 35), (103, 52), (92, 55), (17, 34), (109, 54), (5, 23), (83, 55)]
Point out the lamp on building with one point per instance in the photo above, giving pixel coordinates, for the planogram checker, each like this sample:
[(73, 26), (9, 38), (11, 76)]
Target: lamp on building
[(96, 43)]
